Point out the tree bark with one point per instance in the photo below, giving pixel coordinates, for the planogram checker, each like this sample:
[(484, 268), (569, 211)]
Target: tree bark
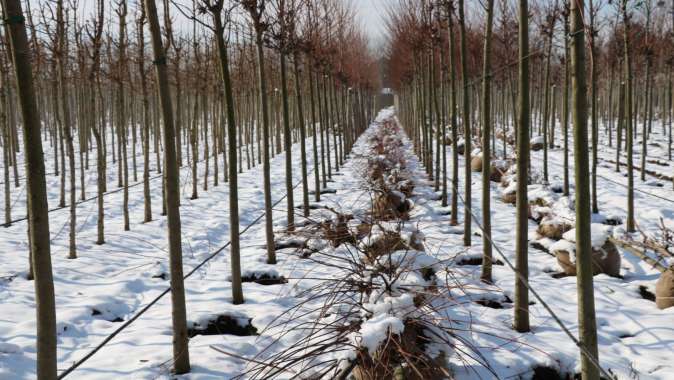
[(38, 214), (303, 135), (486, 275), (181, 357), (586, 312), (629, 126), (521, 322), (287, 144), (465, 116), (234, 250)]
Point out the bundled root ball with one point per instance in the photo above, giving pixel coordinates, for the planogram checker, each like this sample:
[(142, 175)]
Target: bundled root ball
[(391, 205), (553, 228), (604, 260), (664, 289), (385, 244), (476, 163), (510, 138), (509, 197), (499, 168), (536, 144), (387, 361), (337, 231)]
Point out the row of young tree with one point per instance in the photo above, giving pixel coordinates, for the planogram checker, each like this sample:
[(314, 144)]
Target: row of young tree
[(440, 62), (234, 83)]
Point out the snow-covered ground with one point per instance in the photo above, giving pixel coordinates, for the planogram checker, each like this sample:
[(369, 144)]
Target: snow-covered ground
[(120, 277), (635, 338)]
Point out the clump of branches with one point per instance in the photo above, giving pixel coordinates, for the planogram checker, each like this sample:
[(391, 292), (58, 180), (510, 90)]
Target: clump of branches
[(382, 314), (660, 242)]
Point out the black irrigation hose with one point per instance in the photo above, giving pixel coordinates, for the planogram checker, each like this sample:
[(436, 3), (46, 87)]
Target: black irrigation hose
[(530, 288), (11, 223), (547, 308), (7, 225), (625, 186), (161, 295)]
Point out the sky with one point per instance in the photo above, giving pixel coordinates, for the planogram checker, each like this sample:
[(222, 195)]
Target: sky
[(372, 14)]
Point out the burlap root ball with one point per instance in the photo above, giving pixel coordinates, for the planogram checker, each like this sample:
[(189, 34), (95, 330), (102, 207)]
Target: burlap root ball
[(664, 289), (553, 228), (605, 260)]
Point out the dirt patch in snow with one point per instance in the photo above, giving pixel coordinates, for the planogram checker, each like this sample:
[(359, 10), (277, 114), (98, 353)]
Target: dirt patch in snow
[(223, 325), (265, 279)]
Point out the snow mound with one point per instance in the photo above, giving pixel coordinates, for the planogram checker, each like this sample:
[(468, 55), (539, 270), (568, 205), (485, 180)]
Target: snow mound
[(599, 232)]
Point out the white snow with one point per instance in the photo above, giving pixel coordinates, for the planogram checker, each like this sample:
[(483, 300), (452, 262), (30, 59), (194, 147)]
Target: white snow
[(599, 233), (635, 338), (563, 245), (375, 330)]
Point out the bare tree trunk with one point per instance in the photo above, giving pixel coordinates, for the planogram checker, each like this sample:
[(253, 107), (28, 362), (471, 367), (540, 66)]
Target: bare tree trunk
[(122, 122), (486, 275), (326, 126), (303, 135), (521, 322), (194, 141), (181, 358), (322, 124), (67, 127), (234, 251), (317, 167), (6, 143), (621, 124), (586, 312), (262, 82), (565, 102), (546, 100), (454, 218), (204, 115), (287, 144), (38, 214), (147, 204), (629, 122), (593, 96), (465, 116)]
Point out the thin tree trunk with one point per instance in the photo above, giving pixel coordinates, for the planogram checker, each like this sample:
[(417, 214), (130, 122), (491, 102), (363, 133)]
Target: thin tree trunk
[(454, 218), (586, 312), (122, 122), (317, 171), (234, 250), (465, 116), (67, 127), (486, 275), (593, 96), (38, 214), (303, 135), (287, 144), (565, 104), (6, 144), (629, 121), (147, 204), (181, 358), (521, 322), (262, 82)]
